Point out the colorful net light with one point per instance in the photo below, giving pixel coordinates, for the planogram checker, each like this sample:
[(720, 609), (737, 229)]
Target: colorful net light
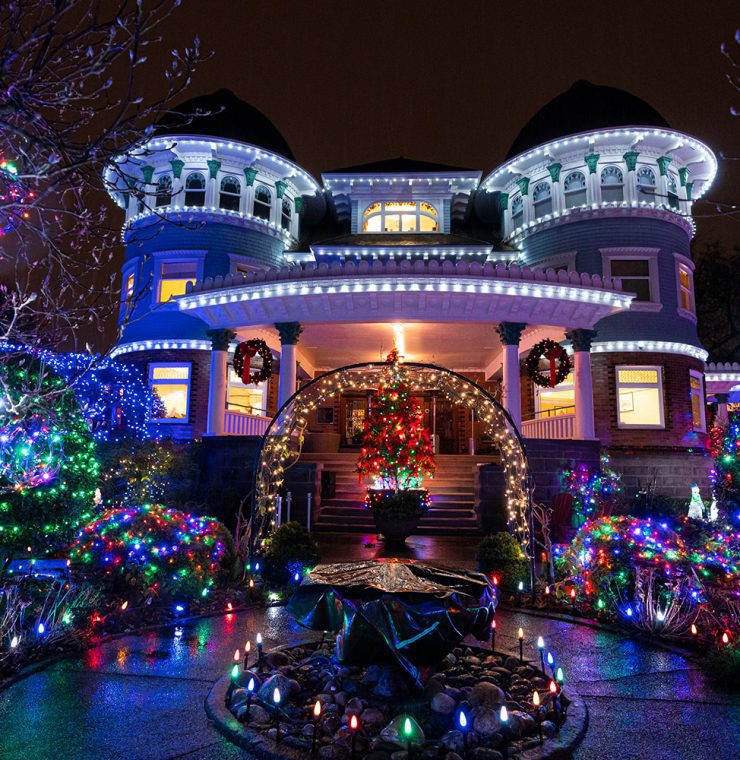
[(31, 452), (592, 492), (166, 550)]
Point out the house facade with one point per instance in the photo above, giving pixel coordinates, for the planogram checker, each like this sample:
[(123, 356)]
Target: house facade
[(581, 235)]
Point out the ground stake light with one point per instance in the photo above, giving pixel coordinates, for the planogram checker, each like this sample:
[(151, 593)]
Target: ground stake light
[(250, 691), (354, 724), (537, 713), (276, 702), (247, 652), (316, 716), (541, 647), (520, 636), (504, 718)]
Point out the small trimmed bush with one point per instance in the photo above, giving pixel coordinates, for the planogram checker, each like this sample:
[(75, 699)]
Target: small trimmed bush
[(290, 550), (502, 555)]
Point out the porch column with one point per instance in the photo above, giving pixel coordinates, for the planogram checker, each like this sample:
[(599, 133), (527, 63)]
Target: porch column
[(510, 333), (289, 334), (217, 380), (584, 393), (722, 416)]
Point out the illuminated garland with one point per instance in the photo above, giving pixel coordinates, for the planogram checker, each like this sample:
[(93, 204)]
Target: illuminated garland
[(166, 551), (47, 486), (592, 492), (559, 363)]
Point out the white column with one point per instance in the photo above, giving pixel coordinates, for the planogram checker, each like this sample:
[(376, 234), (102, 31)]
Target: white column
[(289, 334), (510, 332), (585, 429), (218, 379)]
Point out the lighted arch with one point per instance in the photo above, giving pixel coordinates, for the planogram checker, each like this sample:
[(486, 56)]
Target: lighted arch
[(283, 439)]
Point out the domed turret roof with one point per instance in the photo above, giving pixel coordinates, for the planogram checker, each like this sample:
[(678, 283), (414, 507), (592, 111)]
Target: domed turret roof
[(582, 108), (222, 114)]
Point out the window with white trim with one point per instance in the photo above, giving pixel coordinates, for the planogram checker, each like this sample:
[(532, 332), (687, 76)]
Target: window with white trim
[(542, 199), (400, 216), (640, 396), (170, 383), (195, 189), (249, 399), (635, 274), (612, 184), (174, 277), (698, 409), (164, 191), (672, 185), (517, 211), (645, 184), (574, 189), (685, 281), (230, 195), (286, 215), (262, 203)]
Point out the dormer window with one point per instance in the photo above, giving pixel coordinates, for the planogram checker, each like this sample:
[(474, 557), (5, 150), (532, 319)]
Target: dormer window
[(401, 216)]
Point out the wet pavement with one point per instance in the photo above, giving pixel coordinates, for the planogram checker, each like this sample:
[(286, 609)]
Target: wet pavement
[(141, 697)]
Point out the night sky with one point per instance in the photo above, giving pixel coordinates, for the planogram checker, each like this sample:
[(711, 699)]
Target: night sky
[(350, 82)]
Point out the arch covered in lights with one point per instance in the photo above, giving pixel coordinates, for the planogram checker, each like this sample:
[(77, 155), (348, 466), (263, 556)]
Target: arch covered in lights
[(283, 439)]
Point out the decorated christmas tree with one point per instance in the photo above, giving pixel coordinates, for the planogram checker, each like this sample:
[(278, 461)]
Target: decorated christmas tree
[(725, 475), (396, 449)]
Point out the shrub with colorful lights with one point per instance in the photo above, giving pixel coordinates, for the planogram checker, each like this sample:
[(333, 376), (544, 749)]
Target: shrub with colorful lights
[(48, 467), (594, 493), (157, 550), (725, 474), (289, 551)]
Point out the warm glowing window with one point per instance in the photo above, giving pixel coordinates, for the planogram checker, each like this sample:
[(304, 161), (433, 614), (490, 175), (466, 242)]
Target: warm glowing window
[(249, 399), (696, 385), (195, 189), (128, 289), (174, 277), (574, 189), (230, 194), (164, 190), (557, 401), (635, 274), (612, 184), (262, 202), (685, 288), (640, 397), (171, 385), (401, 216)]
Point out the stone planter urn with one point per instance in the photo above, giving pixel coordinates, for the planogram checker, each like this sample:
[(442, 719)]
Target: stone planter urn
[(397, 513)]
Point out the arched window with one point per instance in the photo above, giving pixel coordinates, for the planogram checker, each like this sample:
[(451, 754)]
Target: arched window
[(612, 184), (401, 216), (673, 192), (517, 212), (645, 184), (164, 191), (286, 215), (542, 199), (195, 189), (262, 202), (230, 193), (574, 188)]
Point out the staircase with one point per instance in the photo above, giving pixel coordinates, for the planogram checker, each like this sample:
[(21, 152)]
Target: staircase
[(452, 490)]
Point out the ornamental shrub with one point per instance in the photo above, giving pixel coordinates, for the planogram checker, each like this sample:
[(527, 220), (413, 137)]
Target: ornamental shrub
[(157, 550), (289, 550), (501, 554)]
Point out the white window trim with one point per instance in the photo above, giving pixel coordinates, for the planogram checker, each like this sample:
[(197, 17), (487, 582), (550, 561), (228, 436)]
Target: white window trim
[(648, 254), (159, 258), (702, 398), (362, 218), (260, 386), (639, 367), (188, 382), (689, 264)]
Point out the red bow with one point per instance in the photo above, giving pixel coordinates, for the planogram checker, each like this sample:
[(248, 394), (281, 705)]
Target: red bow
[(553, 354), (247, 353)]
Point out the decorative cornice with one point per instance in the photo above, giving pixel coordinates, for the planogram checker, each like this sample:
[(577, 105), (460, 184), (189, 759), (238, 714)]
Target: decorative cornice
[(280, 188), (213, 166), (177, 167), (523, 183), (554, 170), (250, 174), (581, 339), (221, 338), (630, 158), (663, 162), (591, 159), (147, 172), (503, 201), (510, 332), (289, 332)]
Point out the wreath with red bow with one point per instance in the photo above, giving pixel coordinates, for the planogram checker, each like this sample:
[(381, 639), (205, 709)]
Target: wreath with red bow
[(245, 352), (559, 363)]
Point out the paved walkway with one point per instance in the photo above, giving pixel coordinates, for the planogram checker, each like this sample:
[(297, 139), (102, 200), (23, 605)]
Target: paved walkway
[(141, 697)]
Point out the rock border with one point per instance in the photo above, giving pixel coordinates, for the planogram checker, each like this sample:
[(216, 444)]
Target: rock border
[(557, 748)]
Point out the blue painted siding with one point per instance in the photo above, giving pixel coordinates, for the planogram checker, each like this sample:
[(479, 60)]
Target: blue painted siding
[(588, 236)]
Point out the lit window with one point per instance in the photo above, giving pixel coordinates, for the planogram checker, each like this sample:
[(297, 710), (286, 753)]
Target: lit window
[(542, 199), (612, 184), (230, 193), (645, 184), (171, 385), (195, 189), (673, 192), (174, 277), (635, 274), (401, 216), (557, 401), (685, 288), (517, 211), (287, 213), (262, 202), (574, 188), (249, 399), (128, 289), (696, 385), (164, 190), (640, 397)]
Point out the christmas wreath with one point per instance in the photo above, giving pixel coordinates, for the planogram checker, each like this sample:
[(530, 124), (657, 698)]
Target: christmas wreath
[(556, 355), (243, 356)]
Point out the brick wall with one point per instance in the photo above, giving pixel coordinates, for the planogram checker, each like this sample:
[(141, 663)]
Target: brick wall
[(678, 432)]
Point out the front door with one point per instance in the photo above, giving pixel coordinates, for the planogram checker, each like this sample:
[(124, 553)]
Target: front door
[(353, 423)]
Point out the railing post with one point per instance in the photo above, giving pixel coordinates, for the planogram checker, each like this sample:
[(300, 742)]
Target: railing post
[(288, 505)]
